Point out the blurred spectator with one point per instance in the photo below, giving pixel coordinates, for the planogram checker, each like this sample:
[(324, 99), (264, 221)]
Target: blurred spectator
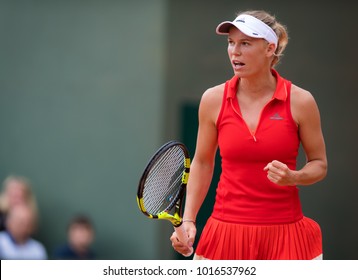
[(80, 237), (16, 242), (16, 191)]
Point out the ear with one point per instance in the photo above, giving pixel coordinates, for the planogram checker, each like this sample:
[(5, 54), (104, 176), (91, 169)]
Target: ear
[(270, 50)]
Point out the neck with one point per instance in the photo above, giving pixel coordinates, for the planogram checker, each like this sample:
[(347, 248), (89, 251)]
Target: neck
[(257, 85), (17, 239)]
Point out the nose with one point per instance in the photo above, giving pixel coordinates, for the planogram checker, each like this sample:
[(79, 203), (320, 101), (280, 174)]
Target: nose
[(235, 50)]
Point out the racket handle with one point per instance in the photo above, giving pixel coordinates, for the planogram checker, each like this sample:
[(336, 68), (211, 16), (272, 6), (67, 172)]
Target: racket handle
[(183, 238)]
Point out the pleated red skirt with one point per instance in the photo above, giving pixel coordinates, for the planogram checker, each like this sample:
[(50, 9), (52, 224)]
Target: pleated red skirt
[(301, 240)]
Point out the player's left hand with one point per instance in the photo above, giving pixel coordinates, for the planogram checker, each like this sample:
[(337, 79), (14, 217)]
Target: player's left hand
[(280, 174)]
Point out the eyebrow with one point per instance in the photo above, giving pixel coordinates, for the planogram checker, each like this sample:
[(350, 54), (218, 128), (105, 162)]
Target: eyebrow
[(247, 38)]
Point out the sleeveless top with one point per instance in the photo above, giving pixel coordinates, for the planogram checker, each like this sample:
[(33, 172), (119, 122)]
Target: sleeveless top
[(244, 193)]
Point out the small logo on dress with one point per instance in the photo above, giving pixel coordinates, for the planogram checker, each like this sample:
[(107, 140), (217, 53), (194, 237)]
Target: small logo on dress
[(276, 116)]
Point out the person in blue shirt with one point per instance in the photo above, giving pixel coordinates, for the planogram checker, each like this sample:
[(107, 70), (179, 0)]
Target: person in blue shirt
[(16, 242)]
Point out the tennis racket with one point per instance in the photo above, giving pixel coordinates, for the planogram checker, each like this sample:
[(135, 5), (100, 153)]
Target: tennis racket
[(162, 186)]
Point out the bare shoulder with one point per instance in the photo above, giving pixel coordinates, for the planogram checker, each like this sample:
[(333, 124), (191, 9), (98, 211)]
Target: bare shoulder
[(211, 100), (302, 103), (213, 94), (301, 96)]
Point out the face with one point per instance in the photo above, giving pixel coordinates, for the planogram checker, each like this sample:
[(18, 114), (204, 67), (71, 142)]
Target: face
[(21, 223), (16, 193), (248, 55), (80, 237)]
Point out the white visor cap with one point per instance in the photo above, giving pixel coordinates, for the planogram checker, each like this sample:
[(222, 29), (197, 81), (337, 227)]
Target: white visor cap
[(250, 26)]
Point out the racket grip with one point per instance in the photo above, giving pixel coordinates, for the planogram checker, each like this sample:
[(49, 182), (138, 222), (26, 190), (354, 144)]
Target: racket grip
[(183, 238)]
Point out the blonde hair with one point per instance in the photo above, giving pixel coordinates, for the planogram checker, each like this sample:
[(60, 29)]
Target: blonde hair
[(30, 199), (278, 28)]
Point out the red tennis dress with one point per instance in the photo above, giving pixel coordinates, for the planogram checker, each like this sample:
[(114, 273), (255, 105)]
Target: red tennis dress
[(254, 218)]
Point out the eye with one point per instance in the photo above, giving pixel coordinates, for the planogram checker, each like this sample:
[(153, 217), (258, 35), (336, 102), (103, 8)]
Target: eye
[(230, 42), (245, 43)]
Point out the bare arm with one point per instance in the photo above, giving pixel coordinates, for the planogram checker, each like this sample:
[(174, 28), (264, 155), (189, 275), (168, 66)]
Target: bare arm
[(202, 167), (306, 114), (203, 163)]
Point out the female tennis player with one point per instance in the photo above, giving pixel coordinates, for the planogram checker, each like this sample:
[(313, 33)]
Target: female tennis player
[(257, 119)]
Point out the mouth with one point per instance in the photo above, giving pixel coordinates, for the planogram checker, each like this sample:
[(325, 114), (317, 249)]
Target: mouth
[(237, 64)]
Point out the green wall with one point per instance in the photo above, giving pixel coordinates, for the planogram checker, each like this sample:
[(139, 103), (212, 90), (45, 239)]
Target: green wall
[(81, 90)]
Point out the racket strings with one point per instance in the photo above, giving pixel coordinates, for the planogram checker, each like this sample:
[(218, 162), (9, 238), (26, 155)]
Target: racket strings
[(163, 182)]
